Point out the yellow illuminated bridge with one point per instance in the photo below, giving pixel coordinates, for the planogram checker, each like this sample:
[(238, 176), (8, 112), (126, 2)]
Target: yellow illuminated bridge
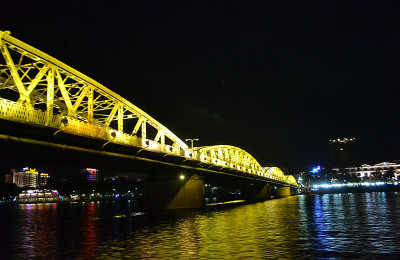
[(37, 89)]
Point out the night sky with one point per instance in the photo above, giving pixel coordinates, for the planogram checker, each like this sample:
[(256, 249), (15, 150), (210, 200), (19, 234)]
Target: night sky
[(275, 78)]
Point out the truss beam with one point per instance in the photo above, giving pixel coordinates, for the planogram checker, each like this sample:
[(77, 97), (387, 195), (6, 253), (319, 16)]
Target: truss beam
[(50, 93)]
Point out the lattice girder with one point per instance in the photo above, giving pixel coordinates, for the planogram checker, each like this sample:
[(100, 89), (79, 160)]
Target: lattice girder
[(53, 94), (234, 158), (37, 89)]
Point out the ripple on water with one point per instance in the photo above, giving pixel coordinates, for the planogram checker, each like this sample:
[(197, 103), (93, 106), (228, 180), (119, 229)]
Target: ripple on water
[(321, 226)]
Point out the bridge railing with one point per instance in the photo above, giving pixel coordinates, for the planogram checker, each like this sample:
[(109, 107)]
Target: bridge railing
[(17, 112)]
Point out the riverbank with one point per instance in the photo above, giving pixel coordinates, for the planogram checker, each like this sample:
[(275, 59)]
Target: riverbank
[(355, 189)]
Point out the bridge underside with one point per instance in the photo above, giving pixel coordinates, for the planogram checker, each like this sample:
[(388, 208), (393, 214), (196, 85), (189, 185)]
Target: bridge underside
[(164, 186)]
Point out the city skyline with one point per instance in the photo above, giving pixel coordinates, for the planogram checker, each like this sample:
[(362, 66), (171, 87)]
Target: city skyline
[(277, 83)]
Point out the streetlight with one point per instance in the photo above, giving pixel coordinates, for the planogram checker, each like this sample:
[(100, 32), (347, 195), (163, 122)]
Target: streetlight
[(191, 141)]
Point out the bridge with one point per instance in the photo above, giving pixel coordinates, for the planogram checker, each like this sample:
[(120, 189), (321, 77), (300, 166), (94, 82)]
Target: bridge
[(41, 92)]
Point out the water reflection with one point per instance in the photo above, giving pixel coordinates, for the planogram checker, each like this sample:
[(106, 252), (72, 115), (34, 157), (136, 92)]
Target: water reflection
[(251, 231), (351, 225), (320, 226), (35, 232)]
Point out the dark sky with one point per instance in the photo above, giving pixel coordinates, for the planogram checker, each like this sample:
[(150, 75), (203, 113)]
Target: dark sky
[(275, 78)]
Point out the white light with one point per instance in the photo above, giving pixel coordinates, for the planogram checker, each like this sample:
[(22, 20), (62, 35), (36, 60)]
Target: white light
[(203, 158)]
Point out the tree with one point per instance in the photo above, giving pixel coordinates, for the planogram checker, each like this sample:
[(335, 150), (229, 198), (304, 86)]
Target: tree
[(8, 190), (341, 175), (389, 174)]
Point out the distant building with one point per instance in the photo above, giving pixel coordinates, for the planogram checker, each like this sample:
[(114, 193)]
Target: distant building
[(342, 152), (90, 174), (9, 177), (117, 179), (28, 196), (28, 177), (366, 170), (43, 179), (126, 177)]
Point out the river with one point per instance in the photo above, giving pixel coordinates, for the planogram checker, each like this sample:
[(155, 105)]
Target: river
[(330, 226)]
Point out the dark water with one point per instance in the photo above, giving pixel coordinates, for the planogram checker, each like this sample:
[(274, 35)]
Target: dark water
[(335, 226)]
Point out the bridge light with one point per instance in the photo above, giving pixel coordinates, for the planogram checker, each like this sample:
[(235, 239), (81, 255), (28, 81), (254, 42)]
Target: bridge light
[(191, 141), (189, 154), (182, 177), (152, 144)]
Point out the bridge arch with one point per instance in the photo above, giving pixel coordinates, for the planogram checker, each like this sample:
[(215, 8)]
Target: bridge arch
[(230, 157), (38, 89), (234, 158)]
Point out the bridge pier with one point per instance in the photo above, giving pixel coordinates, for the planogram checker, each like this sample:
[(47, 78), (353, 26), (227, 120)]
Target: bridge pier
[(282, 192), (183, 192), (257, 191)]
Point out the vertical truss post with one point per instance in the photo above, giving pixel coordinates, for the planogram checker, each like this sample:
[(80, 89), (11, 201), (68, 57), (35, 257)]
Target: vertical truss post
[(90, 105), (227, 157), (162, 139), (121, 118), (50, 96), (144, 130), (213, 156)]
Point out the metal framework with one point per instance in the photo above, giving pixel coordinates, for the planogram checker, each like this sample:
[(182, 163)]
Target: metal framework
[(37, 89), (234, 158), (49, 93)]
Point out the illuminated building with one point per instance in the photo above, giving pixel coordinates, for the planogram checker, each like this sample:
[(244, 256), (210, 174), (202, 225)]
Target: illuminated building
[(90, 174), (315, 171), (366, 170), (342, 152), (28, 177), (30, 196), (43, 179)]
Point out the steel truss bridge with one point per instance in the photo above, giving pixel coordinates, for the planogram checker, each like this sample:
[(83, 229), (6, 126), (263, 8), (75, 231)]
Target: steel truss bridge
[(39, 90)]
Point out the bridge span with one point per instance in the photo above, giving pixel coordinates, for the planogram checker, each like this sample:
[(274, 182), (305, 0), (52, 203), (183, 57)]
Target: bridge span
[(42, 93)]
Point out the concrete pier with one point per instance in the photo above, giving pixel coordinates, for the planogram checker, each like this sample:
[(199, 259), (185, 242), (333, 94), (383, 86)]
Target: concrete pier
[(183, 192), (257, 191), (282, 192)]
